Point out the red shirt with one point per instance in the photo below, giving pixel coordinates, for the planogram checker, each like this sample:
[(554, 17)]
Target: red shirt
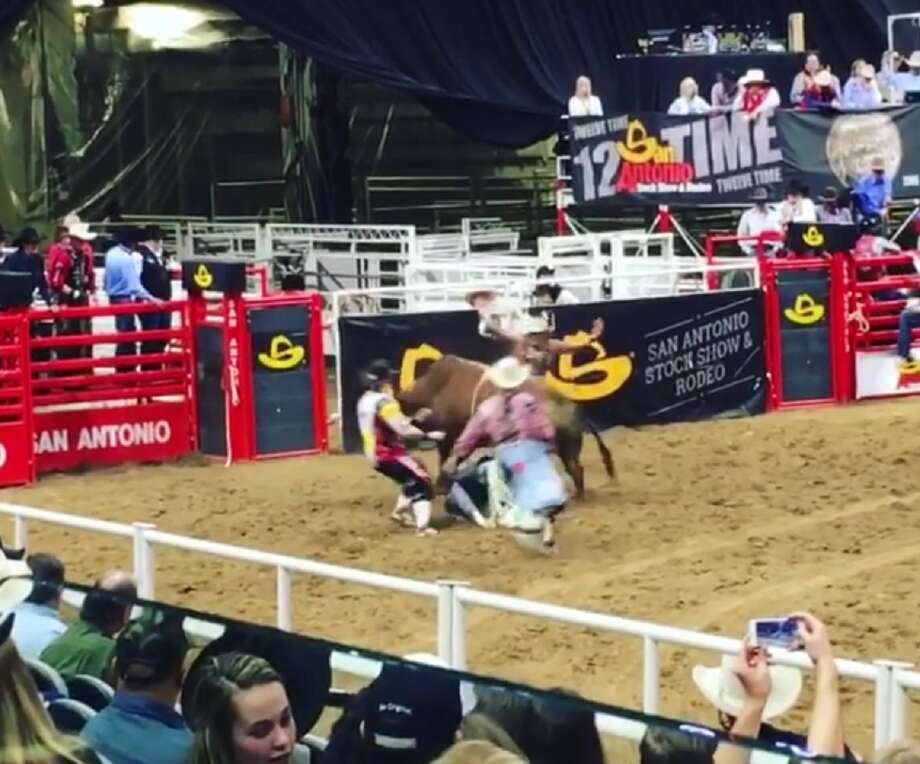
[(61, 262)]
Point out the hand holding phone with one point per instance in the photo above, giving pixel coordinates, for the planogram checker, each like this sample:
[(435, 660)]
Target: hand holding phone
[(779, 633)]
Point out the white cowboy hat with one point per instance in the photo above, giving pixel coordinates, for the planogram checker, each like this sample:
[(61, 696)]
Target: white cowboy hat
[(723, 689), (15, 583), (77, 227), (914, 61), (754, 76), (867, 72), (823, 79), (508, 373)]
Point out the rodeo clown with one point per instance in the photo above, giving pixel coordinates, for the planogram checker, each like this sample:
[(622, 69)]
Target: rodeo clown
[(384, 430)]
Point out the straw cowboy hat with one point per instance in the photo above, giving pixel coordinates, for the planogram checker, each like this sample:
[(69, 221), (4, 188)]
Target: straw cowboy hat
[(914, 61), (508, 374), (15, 583), (77, 228), (754, 77), (823, 79), (723, 689)]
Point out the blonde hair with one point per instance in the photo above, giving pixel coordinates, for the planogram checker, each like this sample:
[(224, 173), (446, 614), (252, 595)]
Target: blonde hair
[(688, 83), (478, 752), (899, 752), (857, 66), (27, 732)]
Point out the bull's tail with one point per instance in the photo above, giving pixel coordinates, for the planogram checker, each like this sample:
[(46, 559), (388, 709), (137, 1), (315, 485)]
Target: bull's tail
[(606, 456)]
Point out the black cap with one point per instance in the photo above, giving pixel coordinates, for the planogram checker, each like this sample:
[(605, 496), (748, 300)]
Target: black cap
[(830, 195), (378, 371), (152, 233), (150, 649), (128, 235), (760, 195), (27, 236)]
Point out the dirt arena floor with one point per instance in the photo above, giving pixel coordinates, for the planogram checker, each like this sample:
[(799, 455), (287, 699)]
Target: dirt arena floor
[(711, 524)]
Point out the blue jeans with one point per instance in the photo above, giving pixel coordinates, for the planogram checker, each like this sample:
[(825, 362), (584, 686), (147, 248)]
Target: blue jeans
[(124, 322), (909, 321)]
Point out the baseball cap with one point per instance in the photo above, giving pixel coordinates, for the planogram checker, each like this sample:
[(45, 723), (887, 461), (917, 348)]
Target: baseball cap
[(151, 648)]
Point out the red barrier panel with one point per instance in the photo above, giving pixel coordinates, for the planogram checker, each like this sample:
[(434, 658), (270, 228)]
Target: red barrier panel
[(17, 461)]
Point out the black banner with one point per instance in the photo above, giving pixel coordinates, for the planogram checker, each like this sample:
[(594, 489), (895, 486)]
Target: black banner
[(837, 149), (660, 360), (719, 159)]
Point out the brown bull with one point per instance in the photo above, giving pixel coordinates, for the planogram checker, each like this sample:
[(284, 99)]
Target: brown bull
[(448, 389)]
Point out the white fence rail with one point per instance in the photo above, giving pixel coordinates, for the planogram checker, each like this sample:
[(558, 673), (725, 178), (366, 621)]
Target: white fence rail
[(891, 679)]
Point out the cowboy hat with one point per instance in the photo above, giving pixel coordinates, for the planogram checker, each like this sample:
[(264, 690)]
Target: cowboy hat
[(15, 582), (754, 77), (830, 195), (77, 228), (508, 373), (760, 195), (27, 236), (914, 61), (722, 688), (489, 294)]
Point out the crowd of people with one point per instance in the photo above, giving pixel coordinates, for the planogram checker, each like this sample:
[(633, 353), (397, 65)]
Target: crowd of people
[(175, 700)]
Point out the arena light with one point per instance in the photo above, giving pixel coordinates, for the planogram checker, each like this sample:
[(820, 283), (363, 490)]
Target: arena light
[(161, 24)]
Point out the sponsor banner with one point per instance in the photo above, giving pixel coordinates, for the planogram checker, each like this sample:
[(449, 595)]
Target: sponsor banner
[(658, 158), (805, 335), (15, 461), (837, 149), (659, 360), (881, 374), (65, 440)]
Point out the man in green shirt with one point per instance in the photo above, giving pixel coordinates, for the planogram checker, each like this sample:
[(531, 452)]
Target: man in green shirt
[(88, 645)]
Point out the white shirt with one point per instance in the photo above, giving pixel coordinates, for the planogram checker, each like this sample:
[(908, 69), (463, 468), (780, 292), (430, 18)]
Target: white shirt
[(907, 82), (566, 298), (756, 221), (580, 108), (770, 103), (681, 107), (803, 211)]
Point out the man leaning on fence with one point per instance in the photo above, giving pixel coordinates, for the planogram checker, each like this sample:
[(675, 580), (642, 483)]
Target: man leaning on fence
[(123, 284)]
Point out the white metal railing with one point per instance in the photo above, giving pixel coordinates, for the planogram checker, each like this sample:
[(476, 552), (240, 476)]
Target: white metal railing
[(891, 679)]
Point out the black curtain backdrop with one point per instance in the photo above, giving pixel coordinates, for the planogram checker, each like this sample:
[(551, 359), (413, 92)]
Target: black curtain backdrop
[(502, 71), (10, 12)]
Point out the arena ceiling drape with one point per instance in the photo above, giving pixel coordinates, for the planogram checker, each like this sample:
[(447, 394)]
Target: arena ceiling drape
[(501, 70)]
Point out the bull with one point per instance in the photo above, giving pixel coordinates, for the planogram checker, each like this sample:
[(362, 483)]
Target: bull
[(453, 387)]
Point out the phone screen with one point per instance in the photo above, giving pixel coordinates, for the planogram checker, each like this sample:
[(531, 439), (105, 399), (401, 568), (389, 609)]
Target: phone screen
[(777, 631)]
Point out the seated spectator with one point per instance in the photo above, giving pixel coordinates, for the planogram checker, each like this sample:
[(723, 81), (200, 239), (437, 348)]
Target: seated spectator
[(141, 725), (872, 193), (583, 103), (725, 91), (242, 713), (756, 96), (761, 219), (478, 752), (805, 79), (27, 734), (666, 745), (830, 210), (688, 100), (37, 620), (552, 294), (88, 645), (477, 726), (862, 91), (821, 94), (888, 68), (405, 716), (909, 81), (797, 208), (27, 259)]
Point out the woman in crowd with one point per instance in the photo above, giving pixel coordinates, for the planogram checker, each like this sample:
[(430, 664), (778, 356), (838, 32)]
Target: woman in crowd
[(831, 211), (688, 100), (862, 91), (797, 208), (27, 734), (821, 94), (242, 713), (584, 103), (725, 91), (805, 79)]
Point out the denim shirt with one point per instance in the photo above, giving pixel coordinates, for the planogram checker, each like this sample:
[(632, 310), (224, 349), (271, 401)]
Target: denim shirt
[(35, 627), (133, 727)]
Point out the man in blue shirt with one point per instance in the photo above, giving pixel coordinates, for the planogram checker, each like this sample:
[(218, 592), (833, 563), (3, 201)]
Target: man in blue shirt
[(123, 284), (37, 622), (872, 193), (141, 726)]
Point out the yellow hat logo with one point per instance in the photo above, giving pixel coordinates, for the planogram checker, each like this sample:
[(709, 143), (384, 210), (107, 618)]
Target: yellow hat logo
[(640, 147), (805, 311), (591, 380), (282, 354), (203, 277), (813, 237)]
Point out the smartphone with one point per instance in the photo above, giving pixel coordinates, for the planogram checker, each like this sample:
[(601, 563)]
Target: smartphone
[(782, 633)]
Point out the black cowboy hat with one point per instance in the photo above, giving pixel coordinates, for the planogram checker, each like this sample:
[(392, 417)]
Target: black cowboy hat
[(302, 664), (829, 195), (128, 235), (760, 195), (27, 236)]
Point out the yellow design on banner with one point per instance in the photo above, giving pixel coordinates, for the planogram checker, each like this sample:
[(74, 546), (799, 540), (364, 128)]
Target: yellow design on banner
[(593, 380), (282, 354), (639, 148), (410, 361), (813, 237), (203, 277), (805, 311)]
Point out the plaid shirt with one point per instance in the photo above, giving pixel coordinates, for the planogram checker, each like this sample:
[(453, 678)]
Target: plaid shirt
[(502, 419)]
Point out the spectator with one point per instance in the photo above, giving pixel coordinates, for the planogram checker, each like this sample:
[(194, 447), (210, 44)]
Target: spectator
[(757, 95), (242, 713), (583, 103), (72, 278), (862, 91), (821, 94), (37, 620), (26, 259), (88, 645), (405, 716), (478, 752), (123, 284), (872, 193), (725, 91), (156, 279), (908, 321), (805, 79), (909, 81), (478, 726), (888, 69), (552, 294), (688, 100), (830, 210), (761, 220), (141, 726), (797, 208), (27, 734), (666, 745)]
